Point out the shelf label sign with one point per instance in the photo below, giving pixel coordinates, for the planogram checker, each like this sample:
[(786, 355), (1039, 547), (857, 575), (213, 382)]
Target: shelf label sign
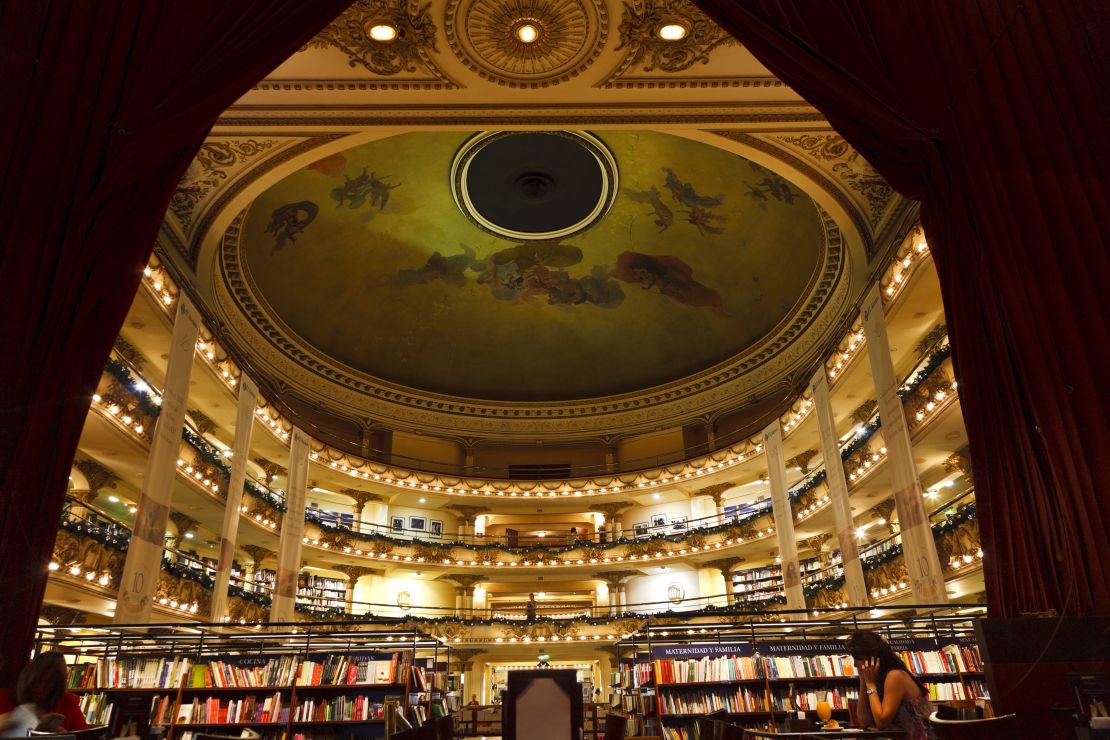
[(802, 647), (686, 652)]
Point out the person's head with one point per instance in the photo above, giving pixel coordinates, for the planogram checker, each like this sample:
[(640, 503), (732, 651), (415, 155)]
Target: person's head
[(43, 681), (531, 597), (865, 645)]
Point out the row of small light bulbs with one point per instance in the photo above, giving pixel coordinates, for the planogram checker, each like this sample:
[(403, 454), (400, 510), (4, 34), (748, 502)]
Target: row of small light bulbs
[(197, 476), (119, 414), (75, 570), (956, 562), (867, 464), (797, 416), (541, 562), (813, 507), (518, 617), (935, 402), (899, 269), (888, 590), (182, 606), (852, 345), (160, 284), (262, 519)]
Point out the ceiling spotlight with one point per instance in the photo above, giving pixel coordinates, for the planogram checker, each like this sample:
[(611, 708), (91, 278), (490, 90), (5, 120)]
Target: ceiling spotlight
[(527, 32), (672, 31), (423, 500), (382, 32)]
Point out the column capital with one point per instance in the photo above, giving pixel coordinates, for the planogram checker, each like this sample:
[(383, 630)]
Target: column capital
[(96, 475), (467, 513), (615, 578), (466, 656), (715, 491), (202, 420), (801, 460), (361, 498), (465, 580), (611, 509), (959, 462), (354, 572), (258, 554), (725, 565), (183, 522), (884, 510)]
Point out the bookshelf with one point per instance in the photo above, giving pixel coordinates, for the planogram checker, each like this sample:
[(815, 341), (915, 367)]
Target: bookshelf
[(320, 593), (758, 683), (291, 686)]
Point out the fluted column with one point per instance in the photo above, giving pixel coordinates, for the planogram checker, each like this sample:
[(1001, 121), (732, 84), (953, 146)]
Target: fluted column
[(360, 498), (922, 562), (240, 454), (292, 530), (784, 518), (855, 587), (612, 517), (144, 554)]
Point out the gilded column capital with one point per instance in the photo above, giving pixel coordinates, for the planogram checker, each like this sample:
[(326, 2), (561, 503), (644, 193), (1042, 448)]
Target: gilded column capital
[(258, 554), (715, 491), (616, 578), (611, 509), (183, 522), (801, 460), (354, 572), (97, 476), (361, 498), (725, 565)]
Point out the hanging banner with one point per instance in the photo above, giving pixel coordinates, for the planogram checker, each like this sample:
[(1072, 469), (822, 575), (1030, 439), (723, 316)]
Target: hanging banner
[(292, 530), (784, 518), (240, 454), (855, 587), (922, 563), (683, 652), (139, 582)]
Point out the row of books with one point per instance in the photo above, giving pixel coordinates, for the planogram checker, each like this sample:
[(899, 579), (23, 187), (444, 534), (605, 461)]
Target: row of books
[(96, 708), (949, 691), (251, 709), (723, 668), (950, 659), (704, 701), (168, 672), (339, 708), (810, 666), (638, 703), (636, 674)]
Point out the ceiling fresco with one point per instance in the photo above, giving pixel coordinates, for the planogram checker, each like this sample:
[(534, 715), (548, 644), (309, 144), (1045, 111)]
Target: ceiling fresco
[(367, 258)]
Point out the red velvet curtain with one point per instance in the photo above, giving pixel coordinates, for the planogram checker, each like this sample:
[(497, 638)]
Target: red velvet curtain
[(993, 113), (105, 104)]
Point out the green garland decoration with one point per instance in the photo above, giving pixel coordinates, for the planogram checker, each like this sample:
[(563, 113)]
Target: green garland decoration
[(125, 378), (919, 377)]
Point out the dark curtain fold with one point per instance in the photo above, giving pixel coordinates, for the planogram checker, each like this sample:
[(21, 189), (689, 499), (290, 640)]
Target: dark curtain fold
[(105, 105), (992, 113)]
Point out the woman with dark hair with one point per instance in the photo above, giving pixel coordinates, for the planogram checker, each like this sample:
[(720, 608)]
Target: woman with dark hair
[(41, 690), (889, 694)]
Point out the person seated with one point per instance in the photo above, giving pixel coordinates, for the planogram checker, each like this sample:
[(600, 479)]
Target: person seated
[(890, 696), (40, 690)]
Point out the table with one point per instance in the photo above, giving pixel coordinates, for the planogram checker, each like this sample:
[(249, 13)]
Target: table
[(776, 735)]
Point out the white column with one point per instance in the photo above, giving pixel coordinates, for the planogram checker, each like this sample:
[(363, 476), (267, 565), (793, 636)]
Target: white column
[(292, 530), (855, 588), (240, 454), (918, 547), (144, 555), (784, 518)]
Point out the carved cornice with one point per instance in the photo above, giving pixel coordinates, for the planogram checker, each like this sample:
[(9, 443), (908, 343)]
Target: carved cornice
[(334, 386), (215, 161), (409, 52), (645, 52)]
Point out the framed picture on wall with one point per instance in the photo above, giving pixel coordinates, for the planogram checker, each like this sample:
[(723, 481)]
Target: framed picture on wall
[(731, 512), (641, 529), (397, 524), (658, 521), (435, 528), (678, 524), (418, 523)]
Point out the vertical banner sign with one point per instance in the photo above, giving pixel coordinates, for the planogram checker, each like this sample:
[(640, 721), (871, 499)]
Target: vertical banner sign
[(240, 454), (918, 546), (855, 587), (292, 530), (144, 555), (784, 519)]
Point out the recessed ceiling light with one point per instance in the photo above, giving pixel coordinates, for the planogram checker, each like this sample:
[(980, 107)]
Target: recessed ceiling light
[(423, 500), (382, 32), (527, 33), (655, 496), (672, 31), (114, 499)]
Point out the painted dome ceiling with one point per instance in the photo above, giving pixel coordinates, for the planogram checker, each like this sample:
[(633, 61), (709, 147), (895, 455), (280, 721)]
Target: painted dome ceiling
[(366, 259)]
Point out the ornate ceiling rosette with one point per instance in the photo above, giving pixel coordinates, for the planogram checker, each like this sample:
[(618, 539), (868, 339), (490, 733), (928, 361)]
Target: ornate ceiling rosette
[(566, 37)]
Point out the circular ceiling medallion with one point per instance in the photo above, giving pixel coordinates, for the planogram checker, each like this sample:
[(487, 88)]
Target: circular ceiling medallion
[(527, 43), (534, 185)]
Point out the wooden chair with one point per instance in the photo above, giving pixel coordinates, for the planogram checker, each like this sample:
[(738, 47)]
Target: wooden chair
[(615, 726), (975, 729)]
